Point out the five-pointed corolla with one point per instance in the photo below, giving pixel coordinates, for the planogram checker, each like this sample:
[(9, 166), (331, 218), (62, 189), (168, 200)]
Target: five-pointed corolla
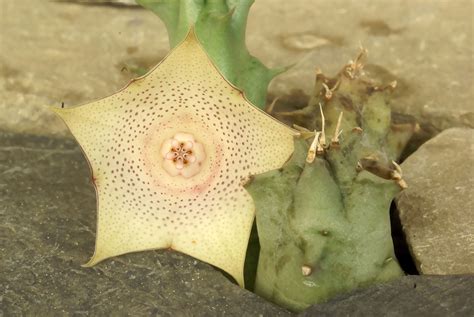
[(169, 154)]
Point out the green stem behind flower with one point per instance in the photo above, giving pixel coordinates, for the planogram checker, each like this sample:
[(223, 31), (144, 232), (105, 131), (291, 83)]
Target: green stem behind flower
[(220, 27)]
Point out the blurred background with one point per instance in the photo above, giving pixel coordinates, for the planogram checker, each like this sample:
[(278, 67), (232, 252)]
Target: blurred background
[(74, 51)]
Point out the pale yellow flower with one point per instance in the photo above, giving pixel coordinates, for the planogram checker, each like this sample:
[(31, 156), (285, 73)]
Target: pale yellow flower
[(169, 154)]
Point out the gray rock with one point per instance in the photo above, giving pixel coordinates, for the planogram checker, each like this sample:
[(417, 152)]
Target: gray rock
[(427, 46), (86, 52), (80, 54), (436, 211), (409, 296), (47, 228)]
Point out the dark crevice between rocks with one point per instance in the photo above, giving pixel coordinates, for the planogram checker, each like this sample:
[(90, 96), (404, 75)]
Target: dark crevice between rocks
[(251, 258), (402, 251), (425, 133)]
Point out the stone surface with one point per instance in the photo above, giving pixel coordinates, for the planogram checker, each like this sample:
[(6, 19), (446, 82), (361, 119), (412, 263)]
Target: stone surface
[(53, 52), (437, 209), (47, 224), (409, 296), (426, 46), (47, 228)]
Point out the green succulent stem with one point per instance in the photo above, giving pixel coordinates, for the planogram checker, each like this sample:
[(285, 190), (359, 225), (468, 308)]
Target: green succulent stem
[(323, 223), (220, 27)]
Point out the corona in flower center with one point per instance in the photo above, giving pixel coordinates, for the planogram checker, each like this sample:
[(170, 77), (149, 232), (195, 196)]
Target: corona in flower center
[(182, 155)]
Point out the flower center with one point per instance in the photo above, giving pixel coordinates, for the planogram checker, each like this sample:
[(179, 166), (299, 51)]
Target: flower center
[(182, 155)]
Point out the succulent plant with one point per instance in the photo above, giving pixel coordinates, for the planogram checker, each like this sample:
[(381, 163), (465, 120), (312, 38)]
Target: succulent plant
[(323, 219), (170, 152), (220, 27)]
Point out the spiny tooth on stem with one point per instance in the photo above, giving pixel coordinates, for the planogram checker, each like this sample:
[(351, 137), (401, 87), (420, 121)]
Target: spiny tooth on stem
[(304, 112), (337, 131), (301, 129), (318, 72), (306, 270), (372, 164), (319, 147), (303, 132), (402, 184), (397, 175), (356, 65), (322, 139), (397, 167), (270, 107), (328, 92), (313, 148), (396, 172)]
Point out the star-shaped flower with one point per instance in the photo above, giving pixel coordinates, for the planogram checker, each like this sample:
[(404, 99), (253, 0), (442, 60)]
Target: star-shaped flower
[(169, 154)]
